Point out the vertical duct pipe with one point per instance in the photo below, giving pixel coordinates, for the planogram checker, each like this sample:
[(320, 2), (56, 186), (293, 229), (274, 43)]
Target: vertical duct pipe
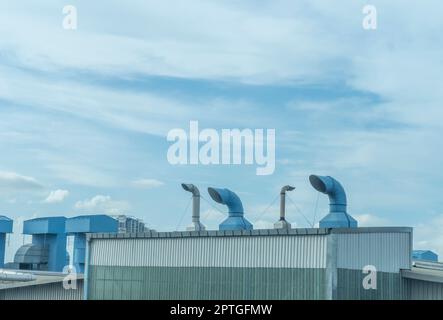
[(282, 223), (196, 224), (5, 227), (337, 217), (236, 220)]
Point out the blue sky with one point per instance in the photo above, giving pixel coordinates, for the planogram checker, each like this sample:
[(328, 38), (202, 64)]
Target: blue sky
[(84, 114)]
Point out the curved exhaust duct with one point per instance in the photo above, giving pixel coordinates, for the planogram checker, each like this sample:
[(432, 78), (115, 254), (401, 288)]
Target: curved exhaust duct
[(282, 223), (236, 220), (337, 217), (196, 225)]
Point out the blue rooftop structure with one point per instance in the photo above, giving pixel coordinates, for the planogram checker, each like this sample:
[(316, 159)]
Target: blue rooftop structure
[(49, 233), (5, 227), (80, 226), (236, 219), (337, 216), (424, 255)]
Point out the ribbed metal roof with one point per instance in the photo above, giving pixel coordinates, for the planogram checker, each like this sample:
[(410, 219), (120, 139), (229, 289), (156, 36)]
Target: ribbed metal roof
[(256, 232)]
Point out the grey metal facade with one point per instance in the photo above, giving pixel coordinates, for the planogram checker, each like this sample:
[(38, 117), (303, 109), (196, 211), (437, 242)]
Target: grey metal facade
[(307, 251), (202, 283), (256, 264), (424, 290), (388, 252), (48, 291), (390, 286)]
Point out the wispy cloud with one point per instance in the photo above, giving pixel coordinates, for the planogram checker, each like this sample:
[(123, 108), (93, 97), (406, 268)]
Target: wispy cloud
[(103, 204), (370, 220), (429, 235), (147, 183), (56, 196), (15, 181), (361, 106)]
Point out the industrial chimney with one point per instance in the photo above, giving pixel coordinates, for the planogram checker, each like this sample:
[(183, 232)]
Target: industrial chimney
[(236, 220), (282, 223), (196, 225), (337, 217)]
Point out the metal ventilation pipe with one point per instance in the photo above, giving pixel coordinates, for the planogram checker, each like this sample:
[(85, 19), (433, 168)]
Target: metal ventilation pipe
[(196, 225), (16, 276), (236, 220), (337, 217), (282, 223)]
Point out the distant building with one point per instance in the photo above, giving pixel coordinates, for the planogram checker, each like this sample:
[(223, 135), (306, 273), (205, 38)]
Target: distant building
[(128, 224), (424, 255)]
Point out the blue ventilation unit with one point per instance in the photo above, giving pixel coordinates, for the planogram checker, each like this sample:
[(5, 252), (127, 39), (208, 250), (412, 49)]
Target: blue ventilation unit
[(337, 217), (236, 220), (5, 227), (424, 255), (49, 232), (80, 226)]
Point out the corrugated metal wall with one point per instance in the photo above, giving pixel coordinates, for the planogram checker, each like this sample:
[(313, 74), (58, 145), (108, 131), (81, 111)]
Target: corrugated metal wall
[(202, 283), (220, 267), (424, 290), (282, 266), (388, 252), (244, 251), (390, 286), (50, 291)]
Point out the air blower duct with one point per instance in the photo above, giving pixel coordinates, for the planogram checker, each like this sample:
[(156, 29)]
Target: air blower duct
[(5, 227), (282, 223), (196, 225), (80, 226), (48, 233), (236, 220), (337, 217)]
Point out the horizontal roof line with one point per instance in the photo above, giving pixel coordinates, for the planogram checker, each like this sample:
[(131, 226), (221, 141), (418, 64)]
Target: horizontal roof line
[(256, 232)]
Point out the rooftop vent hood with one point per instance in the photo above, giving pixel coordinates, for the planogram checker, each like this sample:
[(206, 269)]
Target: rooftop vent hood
[(337, 217), (236, 220), (282, 223), (196, 225)]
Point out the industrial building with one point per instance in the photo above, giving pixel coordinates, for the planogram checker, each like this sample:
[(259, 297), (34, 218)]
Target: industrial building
[(128, 224), (38, 285), (238, 262), (337, 261), (248, 264), (424, 255)]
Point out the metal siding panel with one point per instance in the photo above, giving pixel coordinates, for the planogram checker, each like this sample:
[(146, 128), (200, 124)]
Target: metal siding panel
[(424, 290), (258, 251), (51, 291), (388, 252), (202, 283), (390, 286)]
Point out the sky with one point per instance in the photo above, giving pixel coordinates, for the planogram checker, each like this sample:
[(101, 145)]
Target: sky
[(84, 113)]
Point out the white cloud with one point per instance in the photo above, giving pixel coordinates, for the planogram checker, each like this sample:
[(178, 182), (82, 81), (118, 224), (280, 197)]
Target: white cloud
[(429, 236), (210, 218), (12, 180), (148, 183), (213, 216), (103, 204), (56, 196), (370, 220), (263, 224)]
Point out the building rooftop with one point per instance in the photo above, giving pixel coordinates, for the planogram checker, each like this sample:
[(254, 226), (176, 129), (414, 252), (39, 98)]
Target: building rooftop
[(42, 277), (256, 232), (425, 271)]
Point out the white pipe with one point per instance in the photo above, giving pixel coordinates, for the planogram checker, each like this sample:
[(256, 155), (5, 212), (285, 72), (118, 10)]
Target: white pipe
[(16, 276)]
